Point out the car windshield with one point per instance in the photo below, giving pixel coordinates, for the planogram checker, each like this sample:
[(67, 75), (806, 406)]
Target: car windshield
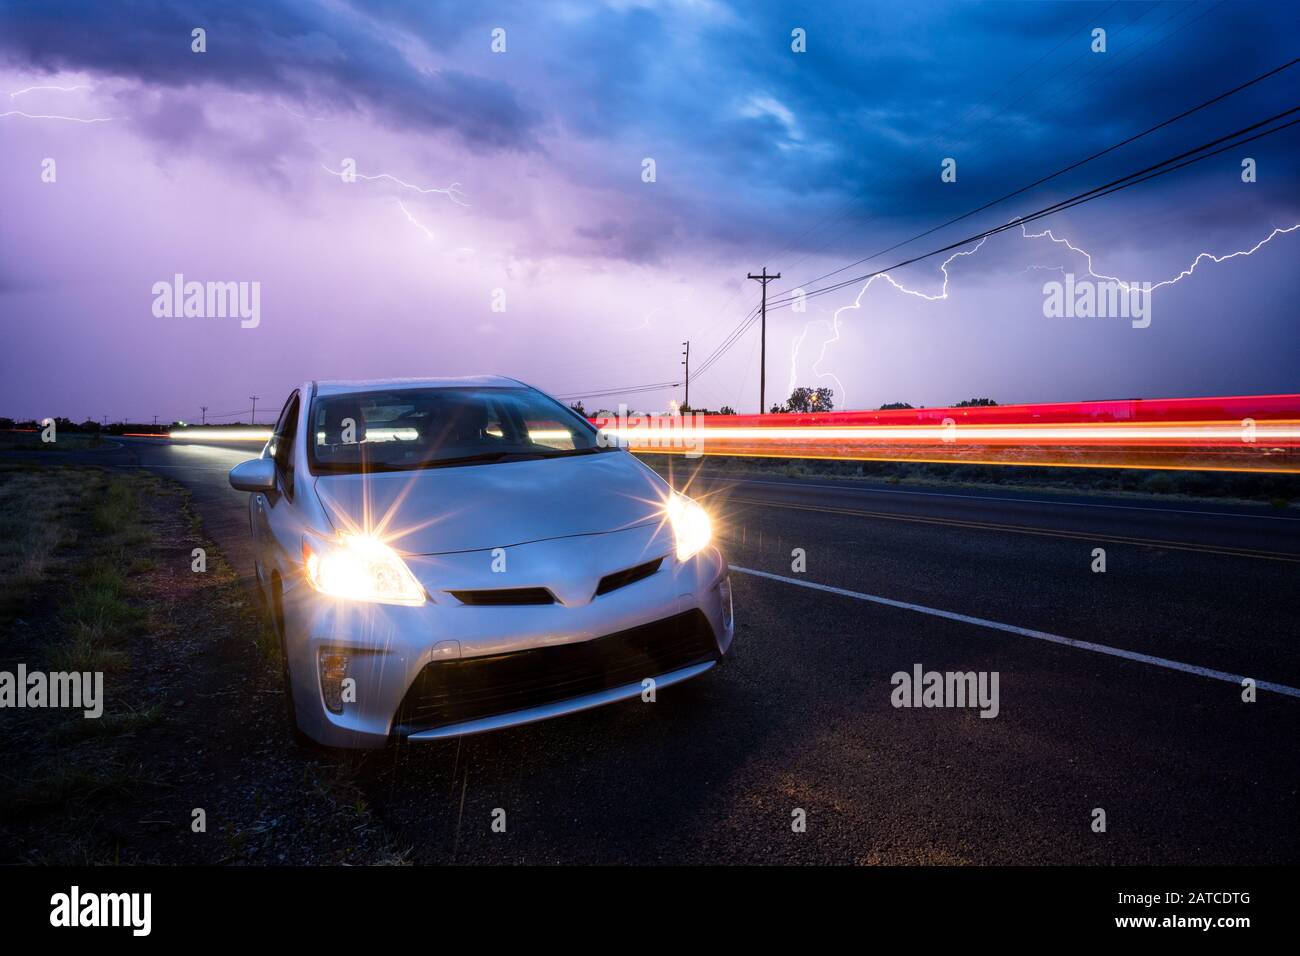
[(407, 428)]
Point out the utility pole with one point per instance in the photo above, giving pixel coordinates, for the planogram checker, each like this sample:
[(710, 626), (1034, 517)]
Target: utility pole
[(204, 408), (252, 418), (762, 351), (687, 363)]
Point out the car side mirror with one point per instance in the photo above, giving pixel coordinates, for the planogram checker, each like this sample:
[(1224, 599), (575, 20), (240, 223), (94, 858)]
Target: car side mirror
[(255, 475)]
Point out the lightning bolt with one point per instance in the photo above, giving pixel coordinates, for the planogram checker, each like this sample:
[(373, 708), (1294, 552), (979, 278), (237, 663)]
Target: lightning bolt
[(304, 116), (70, 119), (61, 89), (427, 231), (645, 319), (452, 192), (835, 319), (1047, 233), (943, 292)]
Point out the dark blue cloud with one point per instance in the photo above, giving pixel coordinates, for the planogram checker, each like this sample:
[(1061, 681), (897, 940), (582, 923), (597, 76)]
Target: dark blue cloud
[(752, 139)]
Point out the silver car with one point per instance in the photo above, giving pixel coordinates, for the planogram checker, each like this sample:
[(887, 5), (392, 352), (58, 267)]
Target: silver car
[(448, 556)]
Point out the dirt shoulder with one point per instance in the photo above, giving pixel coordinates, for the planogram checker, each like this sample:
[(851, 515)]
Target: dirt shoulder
[(97, 576)]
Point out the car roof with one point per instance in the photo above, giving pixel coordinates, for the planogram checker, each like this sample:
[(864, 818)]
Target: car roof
[(345, 386)]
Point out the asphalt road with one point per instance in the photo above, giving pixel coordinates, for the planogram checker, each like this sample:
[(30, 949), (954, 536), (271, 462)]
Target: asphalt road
[(1117, 690)]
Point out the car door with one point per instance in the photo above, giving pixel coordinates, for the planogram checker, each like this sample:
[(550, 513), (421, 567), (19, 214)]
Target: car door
[(279, 531)]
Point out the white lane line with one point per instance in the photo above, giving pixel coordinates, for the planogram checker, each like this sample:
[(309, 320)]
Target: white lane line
[(999, 498), (1026, 632)]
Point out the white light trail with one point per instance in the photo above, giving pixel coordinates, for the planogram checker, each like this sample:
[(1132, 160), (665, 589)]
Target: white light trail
[(220, 434)]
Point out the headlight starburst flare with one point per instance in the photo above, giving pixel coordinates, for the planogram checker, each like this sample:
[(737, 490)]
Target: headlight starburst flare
[(692, 527), (360, 568)]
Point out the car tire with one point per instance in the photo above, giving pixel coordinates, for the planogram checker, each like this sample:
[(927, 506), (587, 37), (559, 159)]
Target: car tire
[(276, 609)]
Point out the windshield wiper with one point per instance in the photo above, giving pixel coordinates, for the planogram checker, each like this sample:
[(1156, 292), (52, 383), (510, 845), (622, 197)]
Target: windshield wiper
[(486, 457)]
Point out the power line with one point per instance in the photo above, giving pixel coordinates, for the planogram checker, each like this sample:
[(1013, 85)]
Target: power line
[(1060, 172), (631, 390), (748, 321), (848, 204), (1079, 199), (757, 313), (855, 200), (1069, 68)]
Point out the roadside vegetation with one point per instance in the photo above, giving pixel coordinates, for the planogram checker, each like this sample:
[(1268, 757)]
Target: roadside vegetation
[(31, 441), (96, 576)]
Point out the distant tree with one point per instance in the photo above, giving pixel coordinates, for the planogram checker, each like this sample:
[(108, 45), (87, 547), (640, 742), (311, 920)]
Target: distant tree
[(577, 407), (975, 403), (891, 406), (6, 423), (688, 410), (804, 399)]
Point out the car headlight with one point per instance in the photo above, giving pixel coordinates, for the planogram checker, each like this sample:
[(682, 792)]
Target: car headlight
[(360, 568), (691, 525)]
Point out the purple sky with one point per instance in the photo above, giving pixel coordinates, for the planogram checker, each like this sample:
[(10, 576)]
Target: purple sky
[(214, 166)]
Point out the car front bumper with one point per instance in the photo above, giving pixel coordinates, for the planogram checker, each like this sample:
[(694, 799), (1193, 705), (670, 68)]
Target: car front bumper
[(388, 649)]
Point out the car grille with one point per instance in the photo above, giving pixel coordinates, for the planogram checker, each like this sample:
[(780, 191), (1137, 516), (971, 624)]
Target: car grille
[(499, 597), (621, 579), (449, 692)]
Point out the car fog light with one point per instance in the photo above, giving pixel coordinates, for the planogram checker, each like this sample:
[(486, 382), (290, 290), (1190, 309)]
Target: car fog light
[(333, 672)]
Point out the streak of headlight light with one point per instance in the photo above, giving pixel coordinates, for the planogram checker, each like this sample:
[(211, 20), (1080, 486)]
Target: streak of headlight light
[(221, 434)]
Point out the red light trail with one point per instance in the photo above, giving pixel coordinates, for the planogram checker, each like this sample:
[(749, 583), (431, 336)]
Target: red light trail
[(1259, 433)]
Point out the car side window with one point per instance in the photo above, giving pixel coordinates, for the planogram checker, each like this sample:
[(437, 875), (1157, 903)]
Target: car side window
[(282, 443)]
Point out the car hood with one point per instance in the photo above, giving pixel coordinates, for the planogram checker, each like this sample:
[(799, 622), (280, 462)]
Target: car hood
[(475, 507)]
